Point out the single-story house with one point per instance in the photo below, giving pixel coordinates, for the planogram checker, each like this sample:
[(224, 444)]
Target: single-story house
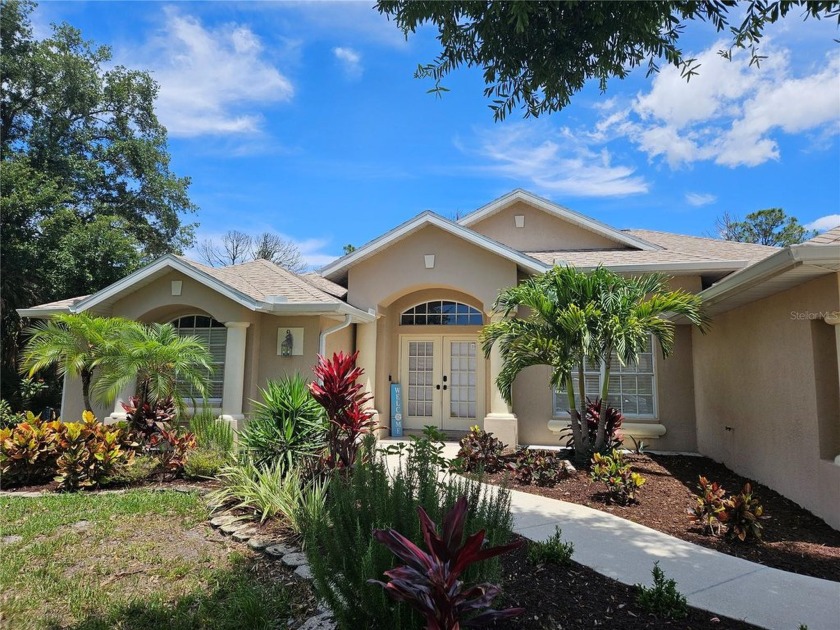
[(760, 391)]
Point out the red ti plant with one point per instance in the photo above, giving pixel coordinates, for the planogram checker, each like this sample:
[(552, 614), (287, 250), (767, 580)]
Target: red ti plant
[(429, 582), (343, 398), (149, 418)]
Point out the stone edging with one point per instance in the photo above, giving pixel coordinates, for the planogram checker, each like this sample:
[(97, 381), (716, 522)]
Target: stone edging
[(242, 529)]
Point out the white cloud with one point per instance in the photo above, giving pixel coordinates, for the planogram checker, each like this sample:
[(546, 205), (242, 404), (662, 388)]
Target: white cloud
[(699, 199), (554, 162), (350, 60), (730, 113), (212, 81), (822, 224)]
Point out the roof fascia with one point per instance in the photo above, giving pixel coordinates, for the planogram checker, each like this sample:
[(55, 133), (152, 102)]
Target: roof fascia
[(569, 215), (174, 263), (430, 218), (40, 313), (675, 268), (316, 308)]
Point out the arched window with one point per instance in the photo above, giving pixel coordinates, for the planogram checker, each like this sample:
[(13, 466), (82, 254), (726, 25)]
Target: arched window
[(441, 313), (214, 335)]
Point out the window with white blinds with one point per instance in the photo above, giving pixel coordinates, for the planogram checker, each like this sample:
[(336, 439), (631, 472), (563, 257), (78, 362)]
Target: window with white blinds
[(632, 387), (214, 335)]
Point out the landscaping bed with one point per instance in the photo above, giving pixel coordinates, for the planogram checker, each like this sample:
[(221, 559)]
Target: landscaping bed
[(794, 539), (574, 596)]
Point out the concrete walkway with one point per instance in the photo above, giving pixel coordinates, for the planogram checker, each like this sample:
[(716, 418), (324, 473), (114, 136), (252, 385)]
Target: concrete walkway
[(710, 580)]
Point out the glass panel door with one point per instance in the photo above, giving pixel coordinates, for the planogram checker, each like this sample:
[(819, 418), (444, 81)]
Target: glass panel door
[(463, 380), (421, 382)]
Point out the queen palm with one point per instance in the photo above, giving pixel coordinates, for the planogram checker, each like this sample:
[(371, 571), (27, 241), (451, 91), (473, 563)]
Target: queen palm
[(565, 317), (158, 358), (76, 343)]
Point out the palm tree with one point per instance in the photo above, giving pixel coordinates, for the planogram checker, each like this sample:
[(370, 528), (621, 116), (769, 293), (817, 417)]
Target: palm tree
[(76, 343), (564, 317), (158, 358)]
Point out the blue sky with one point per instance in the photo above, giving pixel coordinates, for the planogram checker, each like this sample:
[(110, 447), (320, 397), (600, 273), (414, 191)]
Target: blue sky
[(305, 119)]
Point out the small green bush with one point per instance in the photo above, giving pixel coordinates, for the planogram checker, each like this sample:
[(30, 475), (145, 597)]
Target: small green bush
[(623, 484), (273, 491), (344, 556), (145, 467), (204, 463), (551, 551), (662, 598), (211, 432), (288, 425)]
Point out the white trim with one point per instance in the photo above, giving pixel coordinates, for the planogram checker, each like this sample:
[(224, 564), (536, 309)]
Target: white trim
[(424, 219), (672, 268), (173, 262), (775, 264), (42, 312), (557, 210)]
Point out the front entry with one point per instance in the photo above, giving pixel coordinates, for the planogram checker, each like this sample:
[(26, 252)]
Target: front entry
[(443, 381)]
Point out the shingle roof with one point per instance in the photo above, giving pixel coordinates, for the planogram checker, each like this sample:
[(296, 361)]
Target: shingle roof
[(830, 237), (325, 285), (259, 279), (676, 248)]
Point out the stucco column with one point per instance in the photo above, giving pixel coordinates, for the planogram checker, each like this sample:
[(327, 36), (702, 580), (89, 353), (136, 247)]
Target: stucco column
[(119, 415), (234, 385), (366, 345), (500, 420)]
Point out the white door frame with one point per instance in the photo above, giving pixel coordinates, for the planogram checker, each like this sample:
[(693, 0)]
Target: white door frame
[(437, 396)]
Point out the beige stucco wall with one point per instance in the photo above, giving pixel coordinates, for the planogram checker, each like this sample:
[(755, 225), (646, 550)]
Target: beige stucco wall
[(771, 378), (399, 270), (532, 401), (541, 232)]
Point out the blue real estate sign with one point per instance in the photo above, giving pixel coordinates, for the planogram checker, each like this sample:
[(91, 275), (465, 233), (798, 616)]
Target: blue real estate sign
[(396, 410)]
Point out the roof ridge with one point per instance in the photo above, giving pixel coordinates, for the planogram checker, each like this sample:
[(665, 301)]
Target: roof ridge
[(701, 238)]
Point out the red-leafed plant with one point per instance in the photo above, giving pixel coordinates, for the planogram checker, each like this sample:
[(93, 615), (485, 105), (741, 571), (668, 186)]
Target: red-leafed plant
[(149, 418), (343, 398), (173, 448), (429, 582)]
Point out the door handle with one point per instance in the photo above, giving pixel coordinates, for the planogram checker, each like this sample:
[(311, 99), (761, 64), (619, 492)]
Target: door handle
[(444, 388), (438, 387)]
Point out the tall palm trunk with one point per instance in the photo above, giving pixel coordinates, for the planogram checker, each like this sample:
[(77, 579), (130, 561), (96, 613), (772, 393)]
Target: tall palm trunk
[(86, 376), (601, 437), (584, 429), (573, 413)]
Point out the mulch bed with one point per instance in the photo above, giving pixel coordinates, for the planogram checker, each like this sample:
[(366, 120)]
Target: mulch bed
[(794, 539), (152, 483), (575, 597)]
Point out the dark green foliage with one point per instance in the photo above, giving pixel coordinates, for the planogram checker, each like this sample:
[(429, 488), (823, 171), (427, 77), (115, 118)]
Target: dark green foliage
[(662, 598), (537, 55), (552, 551), (542, 468), (87, 193), (9, 418), (204, 463), (770, 226), (480, 451), (288, 425), (344, 556), (145, 467)]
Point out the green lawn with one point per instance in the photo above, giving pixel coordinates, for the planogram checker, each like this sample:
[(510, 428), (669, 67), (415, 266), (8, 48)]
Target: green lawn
[(137, 560)]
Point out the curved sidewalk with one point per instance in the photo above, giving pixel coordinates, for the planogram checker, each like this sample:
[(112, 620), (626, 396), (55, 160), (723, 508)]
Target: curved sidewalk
[(713, 581)]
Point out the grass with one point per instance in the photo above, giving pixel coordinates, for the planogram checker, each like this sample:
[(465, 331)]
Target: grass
[(137, 560)]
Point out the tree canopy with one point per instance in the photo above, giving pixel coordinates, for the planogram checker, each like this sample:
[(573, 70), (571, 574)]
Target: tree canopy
[(87, 192), (770, 226), (537, 55)]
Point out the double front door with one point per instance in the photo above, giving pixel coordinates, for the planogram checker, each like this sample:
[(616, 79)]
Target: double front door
[(442, 380)]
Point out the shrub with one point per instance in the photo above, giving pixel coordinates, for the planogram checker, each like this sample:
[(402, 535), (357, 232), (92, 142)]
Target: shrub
[(343, 399), (288, 425), (622, 483), (429, 581), (204, 463), (9, 418), (143, 467), (542, 468), (75, 454), (662, 598), (173, 448), (343, 555), (211, 432), (480, 451), (614, 419), (28, 451), (551, 551), (711, 508), (149, 418), (744, 513), (270, 492)]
